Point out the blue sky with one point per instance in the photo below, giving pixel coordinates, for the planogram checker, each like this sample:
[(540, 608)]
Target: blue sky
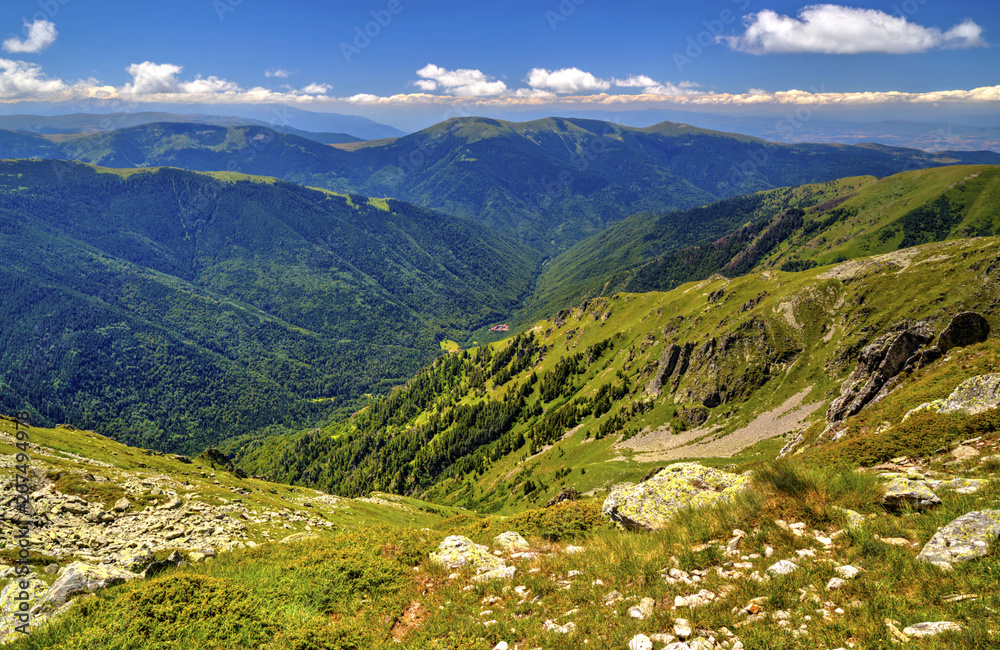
[(431, 56)]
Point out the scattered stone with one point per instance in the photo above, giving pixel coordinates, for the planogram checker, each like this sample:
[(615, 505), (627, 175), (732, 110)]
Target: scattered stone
[(895, 633), (902, 491), (965, 538), (964, 452), (640, 642), (784, 567), (511, 542), (643, 610), (847, 571), (931, 628), (551, 626), (682, 628), (612, 597), (122, 504), (835, 583), (504, 573), (651, 504)]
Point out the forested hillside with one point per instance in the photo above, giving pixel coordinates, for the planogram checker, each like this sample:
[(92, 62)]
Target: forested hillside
[(172, 309), (617, 386), (548, 183), (791, 228)]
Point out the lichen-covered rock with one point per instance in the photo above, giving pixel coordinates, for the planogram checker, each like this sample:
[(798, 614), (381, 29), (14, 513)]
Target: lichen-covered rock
[(963, 539), (503, 573), (651, 504), (511, 542), (82, 578), (902, 491), (457, 551), (974, 395), (964, 329), (565, 494)]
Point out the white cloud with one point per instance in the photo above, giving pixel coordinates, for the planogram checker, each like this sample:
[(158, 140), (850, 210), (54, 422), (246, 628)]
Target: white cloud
[(209, 86), (277, 72), (834, 29), (426, 85), (471, 83), (21, 80), (150, 78), (634, 81), (317, 89), (567, 80), (41, 34)]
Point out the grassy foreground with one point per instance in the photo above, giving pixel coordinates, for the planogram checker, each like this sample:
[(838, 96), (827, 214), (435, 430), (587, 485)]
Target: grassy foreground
[(376, 588)]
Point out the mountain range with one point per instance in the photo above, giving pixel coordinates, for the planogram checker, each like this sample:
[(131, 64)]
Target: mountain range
[(548, 183)]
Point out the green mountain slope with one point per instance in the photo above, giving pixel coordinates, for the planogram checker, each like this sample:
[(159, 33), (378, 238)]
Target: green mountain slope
[(604, 392), (790, 228), (173, 308), (548, 183)]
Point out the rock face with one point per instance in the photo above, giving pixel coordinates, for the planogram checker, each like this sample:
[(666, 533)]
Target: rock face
[(966, 328), (974, 395), (651, 504), (963, 539), (457, 551), (511, 542), (878, 363)]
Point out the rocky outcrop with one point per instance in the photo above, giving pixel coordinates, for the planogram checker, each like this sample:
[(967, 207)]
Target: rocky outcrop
[(966, 328), (878, 363), (651, 504), (565, 494), (667, 364), (965, 538), (972, 396), (457, 551)]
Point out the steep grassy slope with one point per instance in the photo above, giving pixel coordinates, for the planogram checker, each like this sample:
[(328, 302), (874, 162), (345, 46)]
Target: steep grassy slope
[(548, 183), (603, 392), (173, 308), (789, 228)]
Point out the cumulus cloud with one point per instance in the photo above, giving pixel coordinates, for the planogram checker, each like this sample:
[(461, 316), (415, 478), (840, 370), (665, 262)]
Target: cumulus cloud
[(41, 34), (281, 73), (150, 78), (317, 89), (21, 80), (566, 80), (834, 29), (471, 83)]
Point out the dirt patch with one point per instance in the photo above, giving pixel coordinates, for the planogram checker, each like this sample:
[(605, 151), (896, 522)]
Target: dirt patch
[(697, 444), (411, 619), (852, 268)]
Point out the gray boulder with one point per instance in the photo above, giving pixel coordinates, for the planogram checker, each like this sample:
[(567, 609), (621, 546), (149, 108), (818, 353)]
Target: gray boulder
[(511, 542), (972, 396), (966, 328), (902, 491), (82, 578), (651, 504), (963, 539)]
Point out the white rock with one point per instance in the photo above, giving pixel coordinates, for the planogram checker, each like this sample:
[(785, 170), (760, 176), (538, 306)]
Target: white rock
[(834, 584), (640, 642), (847, 571), (783, 567), (931, 628), (501, 646), (682, 628)]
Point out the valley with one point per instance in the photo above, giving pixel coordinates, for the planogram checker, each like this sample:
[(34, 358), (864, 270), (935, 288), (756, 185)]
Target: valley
[(278, 392)]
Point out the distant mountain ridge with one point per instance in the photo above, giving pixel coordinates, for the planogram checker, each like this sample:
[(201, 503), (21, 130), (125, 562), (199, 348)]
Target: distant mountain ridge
[(547, 183)]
